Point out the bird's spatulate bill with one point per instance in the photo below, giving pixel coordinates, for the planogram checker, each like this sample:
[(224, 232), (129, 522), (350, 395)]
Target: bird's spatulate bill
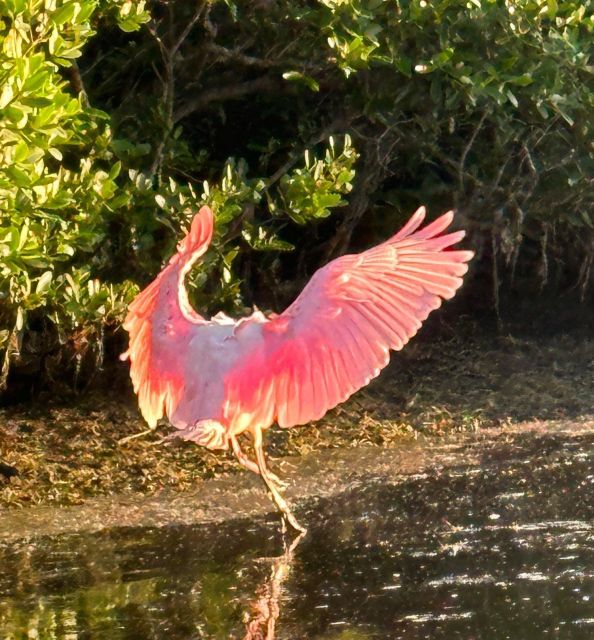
[(216, 379)]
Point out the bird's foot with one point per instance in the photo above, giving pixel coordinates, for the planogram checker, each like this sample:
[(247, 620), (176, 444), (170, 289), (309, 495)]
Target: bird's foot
[(287, 517), (293, 522)]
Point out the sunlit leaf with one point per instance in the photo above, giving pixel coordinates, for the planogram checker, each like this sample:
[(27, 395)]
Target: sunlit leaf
[(44, 282)]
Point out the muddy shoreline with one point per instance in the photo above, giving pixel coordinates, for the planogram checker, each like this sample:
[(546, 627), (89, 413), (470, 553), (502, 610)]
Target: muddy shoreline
[(458, 380), (312, 477)]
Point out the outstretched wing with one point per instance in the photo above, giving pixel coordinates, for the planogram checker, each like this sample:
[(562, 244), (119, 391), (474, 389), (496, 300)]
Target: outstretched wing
[(160, 321), (337, 334)]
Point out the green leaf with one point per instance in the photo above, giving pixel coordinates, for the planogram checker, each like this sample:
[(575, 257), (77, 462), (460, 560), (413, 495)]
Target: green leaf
[(21, 151), (523, 80), (17, 114), (327, 200), (20, 177), (44, 282), (587, 219), (296, 76), (114, 172), (542, 110), (6, 95), (512, 98), (552, 8), (443, 57), (20, 319), (65, 13)]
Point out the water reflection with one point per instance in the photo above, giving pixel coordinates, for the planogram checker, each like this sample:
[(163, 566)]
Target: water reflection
[(501, 549), (261, 625)]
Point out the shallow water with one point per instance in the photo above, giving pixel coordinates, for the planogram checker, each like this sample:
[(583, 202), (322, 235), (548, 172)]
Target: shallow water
[(499, 549)]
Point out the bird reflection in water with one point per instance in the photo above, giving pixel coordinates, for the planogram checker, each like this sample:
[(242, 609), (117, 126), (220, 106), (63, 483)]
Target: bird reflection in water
[(260, 622)]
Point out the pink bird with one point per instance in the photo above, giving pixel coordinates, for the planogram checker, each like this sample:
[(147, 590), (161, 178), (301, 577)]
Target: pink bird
[(216, 379)]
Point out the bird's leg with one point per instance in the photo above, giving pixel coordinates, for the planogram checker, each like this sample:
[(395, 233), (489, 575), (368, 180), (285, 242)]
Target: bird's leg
[(242, 458), (136, 435), (250, 464), (270, 483)]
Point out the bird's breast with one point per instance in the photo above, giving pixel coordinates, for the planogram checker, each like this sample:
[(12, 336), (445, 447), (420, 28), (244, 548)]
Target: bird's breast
[(213, 353)]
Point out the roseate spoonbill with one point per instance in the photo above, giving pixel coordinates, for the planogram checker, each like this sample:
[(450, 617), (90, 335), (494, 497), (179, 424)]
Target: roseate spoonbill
[(215, 379)]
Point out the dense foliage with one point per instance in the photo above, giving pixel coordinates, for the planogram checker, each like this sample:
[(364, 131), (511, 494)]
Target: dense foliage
[(118, 118)]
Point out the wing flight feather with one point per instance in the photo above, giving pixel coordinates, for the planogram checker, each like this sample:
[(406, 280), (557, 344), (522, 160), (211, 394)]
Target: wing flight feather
[(337, 334), (159, 320)]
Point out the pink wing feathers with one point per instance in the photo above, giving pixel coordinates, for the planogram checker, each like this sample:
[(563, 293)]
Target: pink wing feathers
[(337, 334), (159, 321)]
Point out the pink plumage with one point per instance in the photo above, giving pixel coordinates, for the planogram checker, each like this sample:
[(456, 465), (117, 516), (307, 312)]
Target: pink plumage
[(215, 379)]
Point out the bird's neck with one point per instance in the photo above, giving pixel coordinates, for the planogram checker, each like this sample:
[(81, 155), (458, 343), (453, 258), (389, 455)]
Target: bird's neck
[(182, 292)]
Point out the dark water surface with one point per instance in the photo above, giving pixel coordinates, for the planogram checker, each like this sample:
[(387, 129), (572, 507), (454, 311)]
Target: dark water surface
[(500, 549)]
